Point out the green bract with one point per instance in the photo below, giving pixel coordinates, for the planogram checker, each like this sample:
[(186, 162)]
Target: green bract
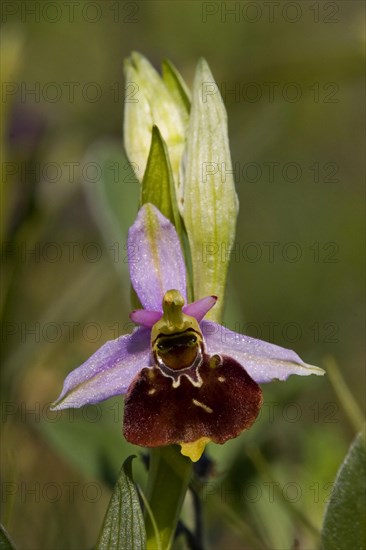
[(210, 203), (158, 182)]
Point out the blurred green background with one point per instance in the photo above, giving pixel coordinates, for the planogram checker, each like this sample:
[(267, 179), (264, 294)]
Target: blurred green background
[(292, 79)]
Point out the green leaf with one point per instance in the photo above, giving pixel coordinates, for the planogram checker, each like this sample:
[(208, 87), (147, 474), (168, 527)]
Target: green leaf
[(177, 87), (210, 203), (123, 527), (344, 522), (158, 183), (5, 543)]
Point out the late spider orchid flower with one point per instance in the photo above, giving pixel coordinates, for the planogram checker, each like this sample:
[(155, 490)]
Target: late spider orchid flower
[(187, 381)]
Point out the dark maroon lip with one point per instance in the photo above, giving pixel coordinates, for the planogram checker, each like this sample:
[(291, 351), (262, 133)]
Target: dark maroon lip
[(226, 403)]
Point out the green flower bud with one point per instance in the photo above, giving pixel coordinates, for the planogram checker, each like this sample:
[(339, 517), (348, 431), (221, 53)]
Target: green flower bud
[(154, 100)]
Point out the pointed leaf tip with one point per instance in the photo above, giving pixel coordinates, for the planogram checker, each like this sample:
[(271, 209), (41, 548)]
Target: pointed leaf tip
[(158, 183), (123, 525)]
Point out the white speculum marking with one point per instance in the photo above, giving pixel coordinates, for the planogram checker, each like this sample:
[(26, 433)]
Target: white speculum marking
[(202, 405), (190, 372)]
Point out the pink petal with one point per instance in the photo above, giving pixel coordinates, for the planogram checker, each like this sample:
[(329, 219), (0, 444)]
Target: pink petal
[(199, 308), (155, 258), (145, 317)]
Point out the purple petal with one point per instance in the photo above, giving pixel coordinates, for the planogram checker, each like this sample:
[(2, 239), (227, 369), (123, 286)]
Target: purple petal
[(155, 258), (262, 361), (108, 372), (145, 317), (199, 308)]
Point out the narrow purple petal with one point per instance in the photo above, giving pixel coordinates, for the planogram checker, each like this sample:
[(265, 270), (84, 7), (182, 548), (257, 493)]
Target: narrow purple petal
[(155, 258), (264, 362), (109, 371), (145, 317), (199, 308)]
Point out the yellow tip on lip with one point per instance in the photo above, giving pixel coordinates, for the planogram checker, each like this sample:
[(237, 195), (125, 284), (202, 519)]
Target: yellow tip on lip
[(194, 449)]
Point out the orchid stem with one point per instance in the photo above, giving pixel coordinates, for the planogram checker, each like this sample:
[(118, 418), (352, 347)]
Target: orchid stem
[(169, 475)]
